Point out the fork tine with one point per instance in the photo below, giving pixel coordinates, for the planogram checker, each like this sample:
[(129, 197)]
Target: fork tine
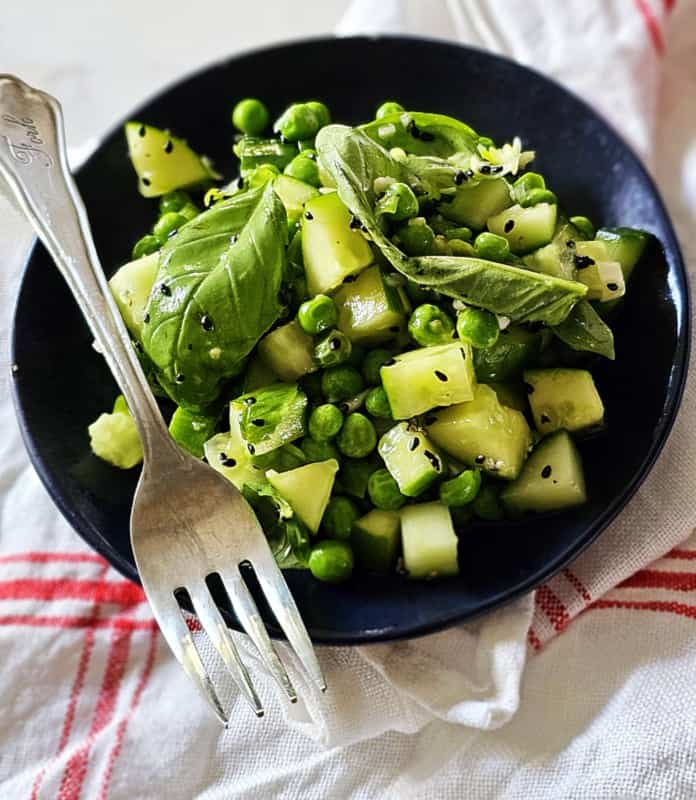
[(175, 630), (286, 612), (214, 625), (248, 615)]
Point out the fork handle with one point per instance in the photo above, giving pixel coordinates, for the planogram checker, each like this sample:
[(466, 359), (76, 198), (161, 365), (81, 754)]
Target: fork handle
[(34, 163)]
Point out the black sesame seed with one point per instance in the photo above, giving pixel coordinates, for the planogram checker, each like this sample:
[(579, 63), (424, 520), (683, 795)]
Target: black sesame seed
[(509, 225), (169, 146), (179, 378), (469, 173), (229, 462), (251, 449), (249, 401), (546, 472), (430, 420), (165, 290), (334, 344), (529, 388), (480, 459), (545, 419), (350, 279), (207, 323), (463, 352), (612, 287), (240, 183), (258, 422), (234, 238), (570, 244), (413, 129), (146, 318), (355, 222), (389, 362), (581, 262), (460, 177), (190, 347), (486, 169), (432, 458), (308, 215), (141, 130), (146, 181), (496, 170), (441, 376), (426, 137), (413, 443), (363, 228)]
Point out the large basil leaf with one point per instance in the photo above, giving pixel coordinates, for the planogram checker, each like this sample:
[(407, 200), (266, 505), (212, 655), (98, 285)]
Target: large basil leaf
[(421, 133), (354, 161), (584, 329), (216, 294)]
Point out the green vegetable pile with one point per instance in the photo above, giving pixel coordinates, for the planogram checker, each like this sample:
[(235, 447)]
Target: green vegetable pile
[(377, 333)]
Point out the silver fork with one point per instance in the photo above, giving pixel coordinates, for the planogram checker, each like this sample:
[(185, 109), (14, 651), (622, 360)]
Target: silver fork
[(187, 521)]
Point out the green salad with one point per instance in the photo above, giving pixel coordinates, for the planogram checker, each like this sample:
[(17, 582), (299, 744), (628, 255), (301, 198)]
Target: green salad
[(377, 333)]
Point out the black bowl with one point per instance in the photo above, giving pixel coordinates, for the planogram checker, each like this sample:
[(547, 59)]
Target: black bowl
[(62, 384)]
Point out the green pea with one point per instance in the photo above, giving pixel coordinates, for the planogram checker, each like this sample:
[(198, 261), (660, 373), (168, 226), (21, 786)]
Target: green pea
[(390, 107), (341, 383), (318, 451), (358, 437), (317, 315), (167, 225), (321, 110), (398, 201), (331, 561), (384, 491), (173, 201), (374, 361), (429, 325), (462, 490), (487, 503), (304, 168), (415, 238), (491, 247), (377, 404), (250, 116), (338, 519), (538, 196), (584, 225), (478, 327), (298, 121), (325, 422), (354, 476), (190, 211), (143, 247), (332, 348), (461, 248), (441, 246)]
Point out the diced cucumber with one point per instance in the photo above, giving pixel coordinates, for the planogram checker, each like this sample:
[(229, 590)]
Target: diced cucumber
[(114, 438), (430, 376), (293, 194), (288, 351), (429, 541), (625, 245), (558, 257), (564, 398), (483, 433), (258, 374), (253, 152), (375, 539), (525, 228), (227, 454), (131, 287), (307, 489), (331, 248), (604, 278), (511, 395), (515, 349), (191, 431), (412, 460), (369, 309), (163, 162), (474, 204), (270, 417), (552, 478)]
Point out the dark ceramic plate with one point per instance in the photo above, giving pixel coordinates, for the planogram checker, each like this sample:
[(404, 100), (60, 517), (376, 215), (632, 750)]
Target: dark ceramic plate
[(62, 384)]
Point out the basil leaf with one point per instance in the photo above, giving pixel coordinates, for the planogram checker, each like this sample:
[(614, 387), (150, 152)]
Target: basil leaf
[(354, 161), (584, 329), (421, 133), (216, 294)]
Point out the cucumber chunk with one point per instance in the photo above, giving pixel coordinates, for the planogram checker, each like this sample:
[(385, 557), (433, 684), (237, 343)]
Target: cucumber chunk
[(131, 287), (163, 162), (331, 248), (474, 204), (429, 541), (625, 245), (288, 351), (604, 278), (430, 376), (227, 454), (191, 431), (412, 460), (293, 194), (114, 438), (307, 489), (558, 257), (270, 417), (564, 398), (370, 311), (552, 478), (375, 539), (483, 433), (525, 228)]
